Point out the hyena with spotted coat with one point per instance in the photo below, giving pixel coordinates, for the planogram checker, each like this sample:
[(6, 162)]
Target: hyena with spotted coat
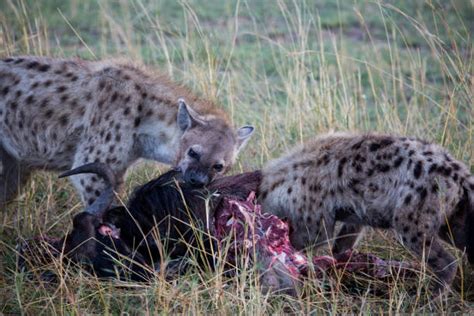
[(413, 187), (57, 114)]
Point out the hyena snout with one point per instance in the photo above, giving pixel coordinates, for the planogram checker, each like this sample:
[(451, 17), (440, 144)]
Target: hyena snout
[(197, 177)]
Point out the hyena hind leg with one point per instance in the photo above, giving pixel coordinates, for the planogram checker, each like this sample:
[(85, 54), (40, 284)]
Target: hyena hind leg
[(459, 230), (13, 175), (347, 237), (439, 260)]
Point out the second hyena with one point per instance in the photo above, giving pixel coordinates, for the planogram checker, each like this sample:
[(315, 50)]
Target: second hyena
[(57, 114), (413, 187)]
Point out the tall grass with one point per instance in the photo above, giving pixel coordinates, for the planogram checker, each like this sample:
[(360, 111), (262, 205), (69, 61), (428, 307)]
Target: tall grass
[(293, 69)]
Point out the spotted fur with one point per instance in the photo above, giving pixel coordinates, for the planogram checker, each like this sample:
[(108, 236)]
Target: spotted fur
[(56, 114), (410, 186)]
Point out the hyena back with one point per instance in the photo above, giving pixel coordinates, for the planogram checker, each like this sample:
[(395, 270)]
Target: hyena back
[(57, 114), (415, 188)]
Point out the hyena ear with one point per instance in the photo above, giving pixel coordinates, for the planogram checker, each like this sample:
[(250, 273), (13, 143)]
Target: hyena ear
[(187, 117), (243, 135)]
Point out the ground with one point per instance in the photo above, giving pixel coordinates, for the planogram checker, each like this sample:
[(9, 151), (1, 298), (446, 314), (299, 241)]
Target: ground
[(293, 69)]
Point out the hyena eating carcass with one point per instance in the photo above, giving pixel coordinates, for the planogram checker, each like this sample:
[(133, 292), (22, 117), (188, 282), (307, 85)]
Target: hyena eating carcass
[(57, 114), (413, 187)]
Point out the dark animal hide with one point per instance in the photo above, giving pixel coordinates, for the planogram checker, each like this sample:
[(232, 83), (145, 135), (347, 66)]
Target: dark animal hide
[(164, 216)]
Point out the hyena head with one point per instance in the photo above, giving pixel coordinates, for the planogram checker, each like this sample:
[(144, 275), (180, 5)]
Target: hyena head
[(208, 146)]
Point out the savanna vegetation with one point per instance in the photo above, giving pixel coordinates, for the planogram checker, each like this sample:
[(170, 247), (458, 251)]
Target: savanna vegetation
[(293, 69)]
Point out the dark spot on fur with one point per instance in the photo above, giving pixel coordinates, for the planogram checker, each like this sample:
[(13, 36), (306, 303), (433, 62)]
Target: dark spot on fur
[(446, 171), (136, 122), (108, 137), (422, 192), (32, 65), (30, 99), (340, 167), (47, 83), (13, 105), (357, 145), (290, 189), (374, 147), (276, 184), (455, 166), (90, 201), (406, 229), (383, 167), (381, 144), (435, 188), (433, 168), (417, 171), (63, 120), (48, 113), (97, 193), (44, 68), (126, 111), (407, 199), (5, 90), (101, 85), (88, 189), (61, 89), (398, 162), (114, 97)]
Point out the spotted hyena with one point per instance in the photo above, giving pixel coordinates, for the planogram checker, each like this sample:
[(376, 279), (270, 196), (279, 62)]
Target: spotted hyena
[(57, 114), (413, 187)]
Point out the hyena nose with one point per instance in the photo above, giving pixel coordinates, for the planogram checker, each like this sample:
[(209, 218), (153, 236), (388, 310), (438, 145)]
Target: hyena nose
[(197, 179)]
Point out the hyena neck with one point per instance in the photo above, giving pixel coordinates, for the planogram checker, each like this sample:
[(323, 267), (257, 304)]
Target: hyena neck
[(152, 147)]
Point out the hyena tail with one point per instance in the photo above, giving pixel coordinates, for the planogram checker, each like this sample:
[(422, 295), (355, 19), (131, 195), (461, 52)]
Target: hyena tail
[(468, 204)]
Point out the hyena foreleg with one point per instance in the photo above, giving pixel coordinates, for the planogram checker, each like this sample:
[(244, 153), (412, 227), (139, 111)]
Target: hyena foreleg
[(13, 175), (347, 237), (90, 186)]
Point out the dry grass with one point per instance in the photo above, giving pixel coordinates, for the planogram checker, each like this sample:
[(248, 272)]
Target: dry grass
[(291, 68)]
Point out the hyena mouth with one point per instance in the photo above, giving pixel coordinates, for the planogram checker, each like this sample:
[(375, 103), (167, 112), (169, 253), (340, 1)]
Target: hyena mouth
[(196, 178)]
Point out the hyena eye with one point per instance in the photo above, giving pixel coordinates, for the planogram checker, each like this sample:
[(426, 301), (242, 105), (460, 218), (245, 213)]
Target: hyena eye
[(193, 154), (218, 167)]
